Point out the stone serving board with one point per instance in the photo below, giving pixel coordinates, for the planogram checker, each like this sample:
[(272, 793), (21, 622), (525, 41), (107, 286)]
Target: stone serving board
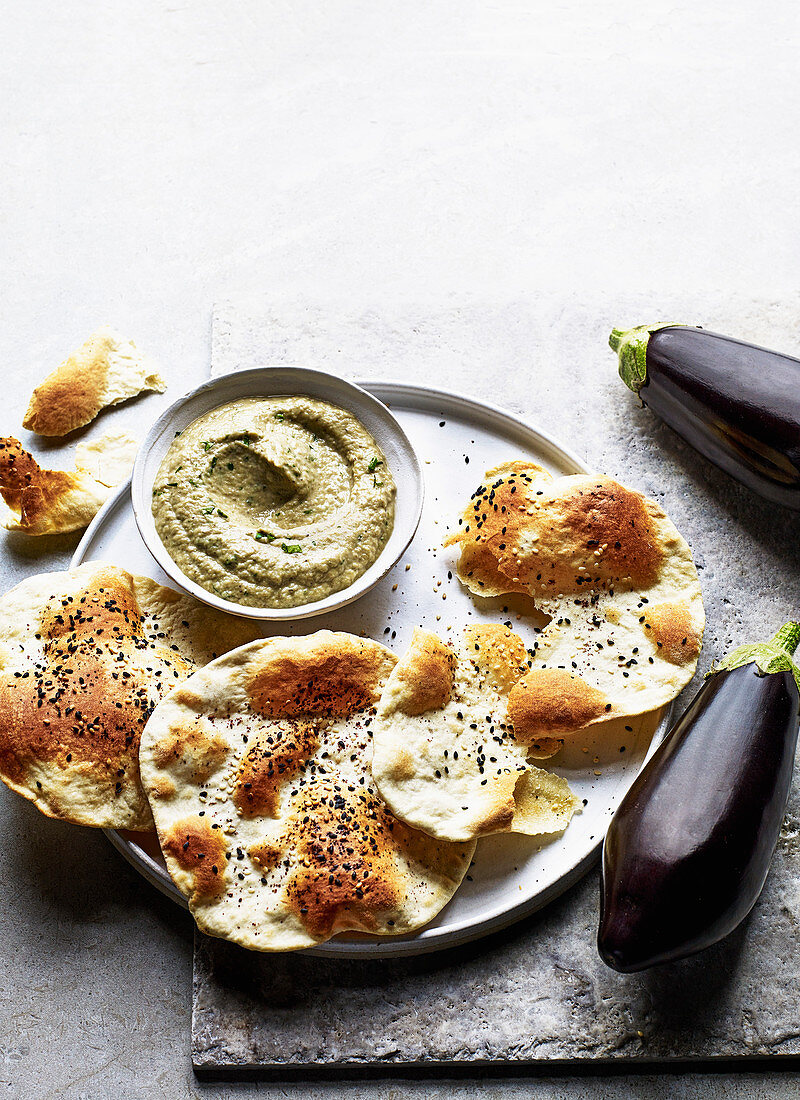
[(538, 991)]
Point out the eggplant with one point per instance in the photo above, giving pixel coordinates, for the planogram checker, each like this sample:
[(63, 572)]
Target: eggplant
[(688, 850), (737, 404)]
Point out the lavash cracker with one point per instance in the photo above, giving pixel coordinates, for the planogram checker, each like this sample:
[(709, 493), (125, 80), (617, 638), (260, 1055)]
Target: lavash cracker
[(258, 775), (445, 756), (615, 577), (48, 502), (106, 369), (85, 655)]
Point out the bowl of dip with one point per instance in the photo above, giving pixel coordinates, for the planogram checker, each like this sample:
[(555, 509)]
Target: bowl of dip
[(277, 492)]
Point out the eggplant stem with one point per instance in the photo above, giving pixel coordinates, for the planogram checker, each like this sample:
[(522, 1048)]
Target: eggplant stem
[(772, 656), (788, 637), (631, 348)]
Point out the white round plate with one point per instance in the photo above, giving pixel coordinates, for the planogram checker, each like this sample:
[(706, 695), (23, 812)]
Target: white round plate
[(456, 439), (275, 382)]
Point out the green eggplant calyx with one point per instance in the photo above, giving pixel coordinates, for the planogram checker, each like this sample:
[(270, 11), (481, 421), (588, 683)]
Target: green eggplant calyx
[(772, 656), (631, 346)]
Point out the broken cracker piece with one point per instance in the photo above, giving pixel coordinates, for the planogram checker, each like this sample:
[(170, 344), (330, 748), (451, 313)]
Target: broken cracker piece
[(48, 502), (105, 370)]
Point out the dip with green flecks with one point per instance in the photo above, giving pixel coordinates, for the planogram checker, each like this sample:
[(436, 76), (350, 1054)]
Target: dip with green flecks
[(274, 501)]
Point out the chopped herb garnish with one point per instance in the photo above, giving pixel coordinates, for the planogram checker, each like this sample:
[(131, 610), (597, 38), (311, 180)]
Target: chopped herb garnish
[(208, 511), (375, 482), (280, 415), (177, 434), (374, 464), (206, 445), (230, 465), (264, 536), (291, 549), (221, 513)]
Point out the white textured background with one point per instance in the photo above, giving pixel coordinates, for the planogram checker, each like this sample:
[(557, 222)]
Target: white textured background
[(155, 158)]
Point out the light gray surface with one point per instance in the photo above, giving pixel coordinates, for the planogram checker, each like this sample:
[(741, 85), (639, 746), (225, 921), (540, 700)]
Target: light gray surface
[(538, 992), (159, 157)]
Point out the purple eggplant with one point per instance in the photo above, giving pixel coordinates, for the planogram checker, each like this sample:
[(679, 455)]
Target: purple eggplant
[(688, 850), (737, 404)]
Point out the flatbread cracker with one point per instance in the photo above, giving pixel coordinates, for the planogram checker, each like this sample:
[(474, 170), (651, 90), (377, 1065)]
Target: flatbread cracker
[(85, 655), (613, 574), (257, 770), (446, 758), (49, 502), (106, 369)]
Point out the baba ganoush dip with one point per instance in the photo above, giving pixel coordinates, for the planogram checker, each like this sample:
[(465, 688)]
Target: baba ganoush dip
[(274, 501)]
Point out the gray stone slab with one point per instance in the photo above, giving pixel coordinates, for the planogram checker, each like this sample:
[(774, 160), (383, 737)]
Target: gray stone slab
[(535, 993), (538, 992)]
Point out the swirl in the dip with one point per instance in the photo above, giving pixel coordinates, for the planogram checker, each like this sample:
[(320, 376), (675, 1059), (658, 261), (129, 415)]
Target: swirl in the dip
[(274, 501)]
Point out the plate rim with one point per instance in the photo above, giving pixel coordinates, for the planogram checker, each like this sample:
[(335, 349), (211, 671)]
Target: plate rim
[(427, 940)]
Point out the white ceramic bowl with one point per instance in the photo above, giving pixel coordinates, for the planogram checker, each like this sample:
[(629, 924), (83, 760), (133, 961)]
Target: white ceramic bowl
[(272, 382)]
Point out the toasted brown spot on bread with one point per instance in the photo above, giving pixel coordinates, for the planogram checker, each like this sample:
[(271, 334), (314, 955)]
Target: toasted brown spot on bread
[(25, 487), (593, 531), (162, 787), (274, 759), (479, 569), (185, 697), (72, 394), (265, 855), (200, 850), (401, 766), (498, 652), (192, 749), (609, 513), (473, 519), (313, 680), (501, 816), (107, 608), (425, 674), (671, 629), (549, 701), (346, 874), (97, 722)]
